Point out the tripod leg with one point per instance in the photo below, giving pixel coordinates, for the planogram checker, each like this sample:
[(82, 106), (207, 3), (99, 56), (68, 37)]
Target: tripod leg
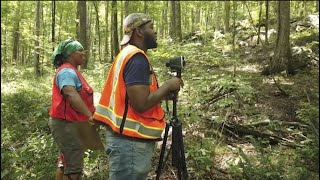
[(183, 164), (175, 150), (179, 152), (163, 148)]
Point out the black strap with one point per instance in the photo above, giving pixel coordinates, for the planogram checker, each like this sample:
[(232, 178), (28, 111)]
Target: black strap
[(124, 114)]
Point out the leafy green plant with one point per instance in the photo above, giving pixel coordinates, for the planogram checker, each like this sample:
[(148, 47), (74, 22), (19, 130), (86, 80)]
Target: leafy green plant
[(309, 114), (201, 156)]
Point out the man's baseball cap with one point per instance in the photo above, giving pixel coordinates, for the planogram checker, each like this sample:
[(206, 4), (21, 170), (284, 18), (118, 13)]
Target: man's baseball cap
[(131, 22)]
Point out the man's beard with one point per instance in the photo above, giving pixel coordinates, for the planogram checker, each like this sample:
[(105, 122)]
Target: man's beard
[(150, 42)]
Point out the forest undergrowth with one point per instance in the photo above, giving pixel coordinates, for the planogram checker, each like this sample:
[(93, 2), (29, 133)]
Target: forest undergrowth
[(237, 124)]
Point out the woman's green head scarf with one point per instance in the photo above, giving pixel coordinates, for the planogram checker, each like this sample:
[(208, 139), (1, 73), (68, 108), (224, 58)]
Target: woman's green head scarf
[(65, 48)]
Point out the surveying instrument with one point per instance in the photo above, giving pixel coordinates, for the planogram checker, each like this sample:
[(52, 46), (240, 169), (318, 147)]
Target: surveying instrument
[(178, 157)]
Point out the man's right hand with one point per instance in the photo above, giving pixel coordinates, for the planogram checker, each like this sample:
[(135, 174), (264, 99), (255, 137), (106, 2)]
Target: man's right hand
[(174, 83)]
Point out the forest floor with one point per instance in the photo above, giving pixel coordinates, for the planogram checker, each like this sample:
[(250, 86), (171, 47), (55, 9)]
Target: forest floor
[(237, 123), (238, 120), (233, 115)]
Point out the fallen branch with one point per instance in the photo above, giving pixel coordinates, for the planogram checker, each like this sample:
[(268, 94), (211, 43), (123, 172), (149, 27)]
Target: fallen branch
[(219, 96), (238, 131), (265, 123), (280, 89)]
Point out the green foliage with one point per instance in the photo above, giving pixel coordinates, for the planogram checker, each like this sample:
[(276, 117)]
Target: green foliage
[(201, 156), (276, 163), (244, 92), (309, 114), (265, 169), (305, 37), (27, 148)]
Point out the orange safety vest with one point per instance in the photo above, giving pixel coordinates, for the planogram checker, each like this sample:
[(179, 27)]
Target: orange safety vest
[(114, 101), (60, 106)]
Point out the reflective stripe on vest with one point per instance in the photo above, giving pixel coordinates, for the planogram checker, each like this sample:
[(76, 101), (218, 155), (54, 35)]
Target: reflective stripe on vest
[(117, 69), (131, 125)]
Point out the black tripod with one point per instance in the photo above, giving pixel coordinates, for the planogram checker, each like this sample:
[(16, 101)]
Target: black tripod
[(178, 158)]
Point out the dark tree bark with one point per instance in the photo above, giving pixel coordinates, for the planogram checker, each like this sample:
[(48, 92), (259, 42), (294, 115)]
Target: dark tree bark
[(234, 26), (218, 15), (145, 7), (172, 19), (36, 42), (178, 21), (4, 41), (164, 19), (234, 37), (267, 22), (78, 21), (95, 3), (16, 36), (282, 55), (126, 8), (115, 44), (83, 30), (90, 33), (106, 47), (23, 54), (121, 25), (60, 22), (227, 16), (53, 23), (192, 20), (259, 28)]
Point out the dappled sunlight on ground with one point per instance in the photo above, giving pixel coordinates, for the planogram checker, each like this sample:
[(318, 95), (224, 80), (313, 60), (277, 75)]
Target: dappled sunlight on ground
[(251, 68)]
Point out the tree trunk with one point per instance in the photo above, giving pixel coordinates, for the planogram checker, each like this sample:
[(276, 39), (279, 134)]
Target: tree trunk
[(260, 12), (23, 54), (282, 55), (227, 16), (36, 42), (115, 44), (126, 8), (185, 23), (106, 47), (121, 25), (218, 16), (78, 21), (234, 37), (53, 23), (164, 21), (267, 22), (172, 19), (304, 8), (249, 12), (234, 27), (207, 17), (178, 21), (4, 44), (42, 38), (83, 30), (192, 19), (198, 18), (145, 7), (91, 33), (95, 3), (60, 22), (16, 35)]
